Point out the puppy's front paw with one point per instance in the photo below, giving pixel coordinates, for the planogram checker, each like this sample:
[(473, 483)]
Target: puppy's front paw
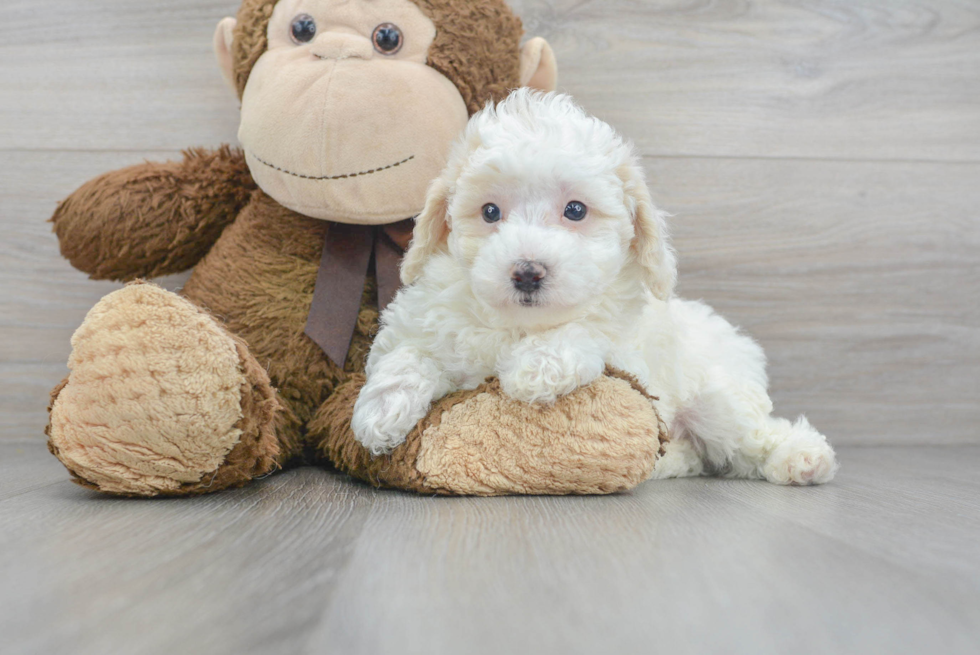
[(383, 417), (543, 377)]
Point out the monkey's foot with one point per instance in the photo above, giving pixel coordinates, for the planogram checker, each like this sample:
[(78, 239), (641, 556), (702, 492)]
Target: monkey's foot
[(161, 400), (602, 438)]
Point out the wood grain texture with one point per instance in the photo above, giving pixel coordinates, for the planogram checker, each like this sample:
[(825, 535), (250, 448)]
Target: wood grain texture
[(860, 280), (820, 158), (112, 74), (842, 79), (819, 78), (882, 560)]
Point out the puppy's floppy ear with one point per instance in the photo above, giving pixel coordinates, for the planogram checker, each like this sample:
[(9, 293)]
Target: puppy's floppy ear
[(431, 231), (650, 244)]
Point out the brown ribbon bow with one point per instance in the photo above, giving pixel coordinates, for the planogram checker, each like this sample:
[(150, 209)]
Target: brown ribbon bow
[(344, 266)]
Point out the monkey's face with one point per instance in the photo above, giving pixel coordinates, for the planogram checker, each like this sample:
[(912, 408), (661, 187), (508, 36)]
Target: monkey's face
[(341, 117)]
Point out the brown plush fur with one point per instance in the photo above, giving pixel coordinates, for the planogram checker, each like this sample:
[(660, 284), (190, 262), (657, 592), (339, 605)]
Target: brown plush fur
[(161, 400), (250, 38), (334, 442), (256, 267), (272, 254), (602, 438), (474, 45), (256, 454), (599, 439), (153, 219)]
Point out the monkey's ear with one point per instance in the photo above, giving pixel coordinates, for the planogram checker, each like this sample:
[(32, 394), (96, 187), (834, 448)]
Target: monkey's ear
[(431, 231), (539, 70), (223, 36)]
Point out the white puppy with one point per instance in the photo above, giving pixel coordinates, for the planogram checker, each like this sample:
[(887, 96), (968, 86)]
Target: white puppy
[(540, 258)]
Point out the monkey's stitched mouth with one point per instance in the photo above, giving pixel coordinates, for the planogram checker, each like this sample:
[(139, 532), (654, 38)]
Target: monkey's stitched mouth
[(331, 177)]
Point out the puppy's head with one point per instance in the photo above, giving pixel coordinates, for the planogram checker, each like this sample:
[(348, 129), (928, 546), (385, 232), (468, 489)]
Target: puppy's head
[(545, 207)]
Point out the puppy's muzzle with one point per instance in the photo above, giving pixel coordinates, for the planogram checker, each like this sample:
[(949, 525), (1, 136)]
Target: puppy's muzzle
[(527, 277)]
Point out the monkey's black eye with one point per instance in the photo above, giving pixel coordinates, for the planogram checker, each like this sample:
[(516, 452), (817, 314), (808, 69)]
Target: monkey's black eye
[(387, 38), (491, 213), (575, 211), (303, 28)]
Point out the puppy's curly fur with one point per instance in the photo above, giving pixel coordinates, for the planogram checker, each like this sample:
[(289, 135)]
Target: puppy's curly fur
[(506, 277)]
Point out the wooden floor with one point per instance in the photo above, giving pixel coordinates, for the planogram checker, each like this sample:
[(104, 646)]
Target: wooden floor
[(884, 560)]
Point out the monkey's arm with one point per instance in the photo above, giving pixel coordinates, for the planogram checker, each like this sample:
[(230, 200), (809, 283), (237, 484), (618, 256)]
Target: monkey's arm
[(153, 219)]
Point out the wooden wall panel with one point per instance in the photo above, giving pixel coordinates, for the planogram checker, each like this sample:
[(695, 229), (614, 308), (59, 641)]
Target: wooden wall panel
[(821, 159)]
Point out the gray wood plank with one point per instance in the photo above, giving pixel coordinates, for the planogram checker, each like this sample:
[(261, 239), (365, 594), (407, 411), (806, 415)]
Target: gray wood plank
[(688, 566), (843, 79), (889, 491), (881, 560), (112, 74), (24, 467), (860, 280), (856, 79), (245, 572)]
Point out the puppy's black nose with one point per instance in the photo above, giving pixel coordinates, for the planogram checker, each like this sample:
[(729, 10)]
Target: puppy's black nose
[(527, 276)]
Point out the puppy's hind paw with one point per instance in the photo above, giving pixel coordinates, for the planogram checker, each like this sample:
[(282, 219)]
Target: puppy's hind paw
[(804, 458)]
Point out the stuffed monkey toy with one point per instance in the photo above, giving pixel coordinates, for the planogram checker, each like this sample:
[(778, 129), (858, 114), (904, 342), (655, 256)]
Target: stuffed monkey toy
[(348, 110)]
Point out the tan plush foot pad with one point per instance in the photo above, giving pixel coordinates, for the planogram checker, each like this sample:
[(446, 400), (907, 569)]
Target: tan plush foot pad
[(603, 438), (161, 400)]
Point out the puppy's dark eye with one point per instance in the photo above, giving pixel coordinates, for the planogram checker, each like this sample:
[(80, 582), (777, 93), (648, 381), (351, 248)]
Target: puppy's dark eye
[(575, 211), (491, 213), (387, 38), (303, 28)]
